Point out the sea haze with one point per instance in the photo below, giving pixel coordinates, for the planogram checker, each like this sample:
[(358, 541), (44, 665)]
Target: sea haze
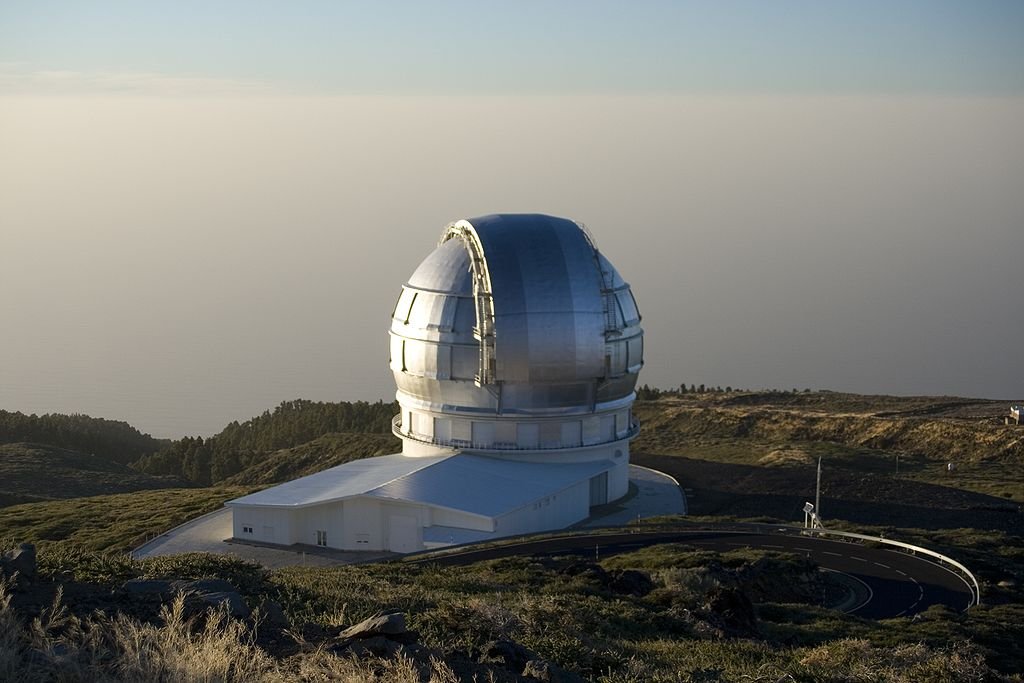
[(183, 262)]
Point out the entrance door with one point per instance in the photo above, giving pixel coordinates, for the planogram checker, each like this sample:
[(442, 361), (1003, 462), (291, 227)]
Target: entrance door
[(403, 534), (599, 489)]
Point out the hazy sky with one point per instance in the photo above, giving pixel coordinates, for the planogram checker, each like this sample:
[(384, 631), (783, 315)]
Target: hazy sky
[(204, 212)]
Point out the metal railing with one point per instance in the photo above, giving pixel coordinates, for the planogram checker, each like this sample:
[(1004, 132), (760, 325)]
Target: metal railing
[(943, 560), (501, 447)]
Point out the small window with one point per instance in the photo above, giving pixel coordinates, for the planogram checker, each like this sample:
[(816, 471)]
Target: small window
[(627, 306), (321, 538), (412, 306), (246, 529)]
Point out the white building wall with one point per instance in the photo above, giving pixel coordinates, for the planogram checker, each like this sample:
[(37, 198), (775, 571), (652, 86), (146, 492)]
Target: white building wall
[(269, 525), (460, 520), (367, 523), (618, 479), (328, 517), (363, 525), (556, 511)]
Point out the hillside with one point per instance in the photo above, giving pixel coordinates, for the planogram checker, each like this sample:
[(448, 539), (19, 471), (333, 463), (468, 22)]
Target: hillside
[(884, 458), (661, 615), (312, 457), (109, 439), (241, 446), (35, 472), (944, 429)]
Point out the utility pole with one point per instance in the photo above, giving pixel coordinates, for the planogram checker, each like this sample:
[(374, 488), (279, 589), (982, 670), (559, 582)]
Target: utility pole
[(817, 491)]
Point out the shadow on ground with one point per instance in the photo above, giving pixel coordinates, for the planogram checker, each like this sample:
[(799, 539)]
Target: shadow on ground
[(715, 488)]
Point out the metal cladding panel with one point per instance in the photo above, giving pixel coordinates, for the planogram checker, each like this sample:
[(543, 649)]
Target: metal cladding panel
[(460, 481), (445, 270), (351, 479), (488, 486), (546, 288), (562, 320)]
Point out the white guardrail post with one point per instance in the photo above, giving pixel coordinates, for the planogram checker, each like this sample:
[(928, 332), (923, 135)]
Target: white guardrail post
[(971, 580)]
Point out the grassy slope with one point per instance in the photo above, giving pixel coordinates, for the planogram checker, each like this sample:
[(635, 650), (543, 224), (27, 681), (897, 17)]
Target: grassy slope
[(755, 454), (35, 472), (115, 523), (685, 629), (742, 453)]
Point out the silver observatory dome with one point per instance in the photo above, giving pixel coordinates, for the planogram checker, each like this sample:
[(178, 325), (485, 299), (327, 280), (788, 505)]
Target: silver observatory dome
[(513, 317)]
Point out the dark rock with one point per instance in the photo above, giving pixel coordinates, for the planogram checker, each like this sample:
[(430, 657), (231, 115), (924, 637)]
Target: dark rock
[(204, 586), (377, 646), (21, 561), (235, 603), (392, 624), (514, 655), (732, 610), (147, 587), (546, 672), (272, 614), (631, 582)]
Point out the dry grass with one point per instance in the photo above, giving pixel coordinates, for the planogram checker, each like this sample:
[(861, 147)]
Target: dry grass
[(212, 648)]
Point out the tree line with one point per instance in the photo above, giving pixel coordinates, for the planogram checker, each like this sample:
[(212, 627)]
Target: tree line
[(109, 439), (648, 393), (238, 445)]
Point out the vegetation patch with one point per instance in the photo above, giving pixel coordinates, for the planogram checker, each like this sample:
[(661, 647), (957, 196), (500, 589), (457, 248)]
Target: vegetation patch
[(35, 472), (115, 523), (694, 616)]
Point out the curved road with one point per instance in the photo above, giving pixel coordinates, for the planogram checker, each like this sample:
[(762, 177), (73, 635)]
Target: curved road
[(899, 584)]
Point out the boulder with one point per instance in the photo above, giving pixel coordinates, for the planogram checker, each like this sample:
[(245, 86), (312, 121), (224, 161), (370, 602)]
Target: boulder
[(147, 587), (376, 646), (21, 561), (272, 614), (391, 624), (204, 586), (235, 603)]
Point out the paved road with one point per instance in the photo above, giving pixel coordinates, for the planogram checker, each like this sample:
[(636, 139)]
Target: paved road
[(898, 584)]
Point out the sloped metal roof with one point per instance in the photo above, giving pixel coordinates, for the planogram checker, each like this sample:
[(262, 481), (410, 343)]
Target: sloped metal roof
[(474, 484), (344, 481), (487, 486)]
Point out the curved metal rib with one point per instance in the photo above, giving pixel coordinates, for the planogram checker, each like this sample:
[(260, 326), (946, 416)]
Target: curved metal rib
[(482, 296)]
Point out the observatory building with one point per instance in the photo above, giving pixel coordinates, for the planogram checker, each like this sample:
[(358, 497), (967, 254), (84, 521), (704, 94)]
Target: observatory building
[(515, 346)]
